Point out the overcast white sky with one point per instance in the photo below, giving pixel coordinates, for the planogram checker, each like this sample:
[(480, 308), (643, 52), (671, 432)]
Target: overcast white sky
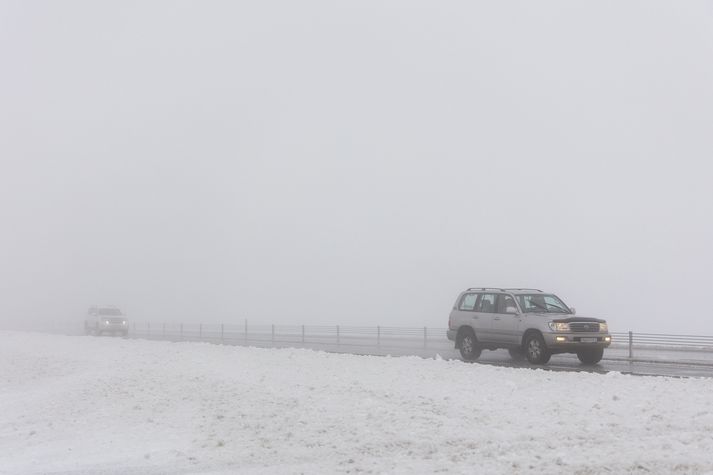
[(355, 162)]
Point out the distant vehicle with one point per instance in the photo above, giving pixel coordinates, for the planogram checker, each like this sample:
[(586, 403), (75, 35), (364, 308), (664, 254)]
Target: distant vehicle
[(527, 322), (105, 319)]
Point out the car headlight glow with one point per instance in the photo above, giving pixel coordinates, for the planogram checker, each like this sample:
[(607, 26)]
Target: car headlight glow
[(107, 322), (559, 326), (123, 322)]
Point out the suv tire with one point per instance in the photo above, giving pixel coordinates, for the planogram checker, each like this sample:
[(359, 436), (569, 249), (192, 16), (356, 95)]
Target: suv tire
[(592, 356), (536, 349), (468, 345)]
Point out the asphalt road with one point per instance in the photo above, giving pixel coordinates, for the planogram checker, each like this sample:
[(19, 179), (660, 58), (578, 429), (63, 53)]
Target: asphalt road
[(571, 363)]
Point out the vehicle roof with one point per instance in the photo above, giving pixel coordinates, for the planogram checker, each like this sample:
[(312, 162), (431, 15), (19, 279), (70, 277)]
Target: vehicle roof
[(515, 291)]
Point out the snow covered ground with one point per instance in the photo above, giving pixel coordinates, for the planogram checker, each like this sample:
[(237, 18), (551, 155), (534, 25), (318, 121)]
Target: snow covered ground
[(86, 405)]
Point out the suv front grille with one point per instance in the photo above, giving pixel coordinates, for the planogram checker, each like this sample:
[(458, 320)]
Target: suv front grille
[(584, 326)]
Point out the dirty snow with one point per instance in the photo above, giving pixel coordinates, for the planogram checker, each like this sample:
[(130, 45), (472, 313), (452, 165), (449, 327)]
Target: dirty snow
[(86, 405)]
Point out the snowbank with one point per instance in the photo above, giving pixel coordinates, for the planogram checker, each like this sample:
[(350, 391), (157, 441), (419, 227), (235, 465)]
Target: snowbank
[(105, 405)]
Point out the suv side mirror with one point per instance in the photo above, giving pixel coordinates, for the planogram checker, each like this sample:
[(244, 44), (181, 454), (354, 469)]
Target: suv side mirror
[(574, 310), (511, 310)]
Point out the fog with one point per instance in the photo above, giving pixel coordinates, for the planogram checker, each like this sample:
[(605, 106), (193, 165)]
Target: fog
[(355, 163)]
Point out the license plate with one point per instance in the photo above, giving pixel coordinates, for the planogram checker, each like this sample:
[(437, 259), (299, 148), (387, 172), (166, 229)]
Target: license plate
[(588, 340)]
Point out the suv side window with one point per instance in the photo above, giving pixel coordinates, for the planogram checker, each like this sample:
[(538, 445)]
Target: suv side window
[(505, 301), (467, 303), (486, 304)]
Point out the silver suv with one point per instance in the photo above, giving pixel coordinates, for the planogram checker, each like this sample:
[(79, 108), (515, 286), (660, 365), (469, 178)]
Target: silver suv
[(105, 319), (527, 322)]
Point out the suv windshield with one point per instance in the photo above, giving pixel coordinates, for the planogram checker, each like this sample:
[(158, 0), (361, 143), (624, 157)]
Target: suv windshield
[(110, 312), (542, 303)]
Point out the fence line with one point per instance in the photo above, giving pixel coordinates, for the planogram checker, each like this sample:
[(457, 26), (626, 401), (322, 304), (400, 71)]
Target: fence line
[(663, 341), (422, 341), (306, 335), (383, 339)]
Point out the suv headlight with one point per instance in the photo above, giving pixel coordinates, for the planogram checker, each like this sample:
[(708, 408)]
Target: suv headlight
[(106, 321), (603, 327), (559, 326)]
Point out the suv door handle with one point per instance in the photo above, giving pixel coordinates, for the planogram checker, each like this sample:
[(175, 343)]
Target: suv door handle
[(496, 318)]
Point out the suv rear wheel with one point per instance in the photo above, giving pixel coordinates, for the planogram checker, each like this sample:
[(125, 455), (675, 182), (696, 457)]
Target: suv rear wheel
[(592, 356), (536, 350), (469, 349)]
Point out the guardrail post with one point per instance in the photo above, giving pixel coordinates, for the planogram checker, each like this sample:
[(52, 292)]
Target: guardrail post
[(631, 344), (425, 337), (337, 335), (303, 334), (222, 332), (378, 337), (245, 334), (273, 333)]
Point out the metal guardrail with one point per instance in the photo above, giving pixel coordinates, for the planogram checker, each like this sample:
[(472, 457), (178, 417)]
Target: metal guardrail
[(422, 341), (662, 341), (318, 336), (382, 339)]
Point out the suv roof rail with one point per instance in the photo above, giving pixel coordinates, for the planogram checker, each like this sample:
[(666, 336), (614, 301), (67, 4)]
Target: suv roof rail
[(487, 288), (536, 290)]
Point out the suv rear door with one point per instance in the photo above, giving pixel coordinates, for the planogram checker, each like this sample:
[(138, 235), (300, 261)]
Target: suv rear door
[(485, 311), (506, 325)]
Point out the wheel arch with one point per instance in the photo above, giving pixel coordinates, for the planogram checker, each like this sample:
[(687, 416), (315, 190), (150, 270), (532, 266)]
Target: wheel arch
[(462, 331)]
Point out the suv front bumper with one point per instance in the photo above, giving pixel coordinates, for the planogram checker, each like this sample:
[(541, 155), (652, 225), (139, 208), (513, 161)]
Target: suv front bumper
[(574, 341), (113, 327)]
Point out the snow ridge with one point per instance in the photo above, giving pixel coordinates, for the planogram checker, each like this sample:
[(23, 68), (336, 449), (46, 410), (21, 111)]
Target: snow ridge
[(80, 405)]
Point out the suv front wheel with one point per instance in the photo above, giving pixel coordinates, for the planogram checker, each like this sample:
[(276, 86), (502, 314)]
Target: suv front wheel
[(592, 356), (536, 349), (469, 349)]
